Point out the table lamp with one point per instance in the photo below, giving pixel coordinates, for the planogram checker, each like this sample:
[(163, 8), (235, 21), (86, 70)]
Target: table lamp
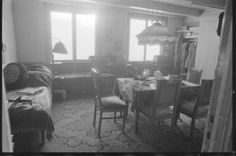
[(58, 48)]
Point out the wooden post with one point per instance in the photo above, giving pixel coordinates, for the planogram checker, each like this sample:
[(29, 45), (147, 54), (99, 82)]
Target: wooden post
[(218, 132)]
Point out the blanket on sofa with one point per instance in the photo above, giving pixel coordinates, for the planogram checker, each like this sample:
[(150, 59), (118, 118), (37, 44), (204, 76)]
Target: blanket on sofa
[(31, 111), (28, 109)]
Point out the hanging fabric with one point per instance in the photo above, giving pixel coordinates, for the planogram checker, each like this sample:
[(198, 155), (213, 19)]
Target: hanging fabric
[(177, 51), (190, 61), (182, 54)]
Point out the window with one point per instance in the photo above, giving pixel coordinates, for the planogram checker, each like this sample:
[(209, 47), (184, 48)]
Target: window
[(140, 52), (76, 32)]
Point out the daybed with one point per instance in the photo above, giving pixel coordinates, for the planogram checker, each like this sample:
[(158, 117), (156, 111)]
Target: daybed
[(30, 99)]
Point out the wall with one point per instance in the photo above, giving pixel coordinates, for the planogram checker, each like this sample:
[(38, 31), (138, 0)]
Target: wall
[(174, 22), (112, 30), (192, 21), (7, 145), (8, 38), (8, 33), (31, 31), (208, 46)]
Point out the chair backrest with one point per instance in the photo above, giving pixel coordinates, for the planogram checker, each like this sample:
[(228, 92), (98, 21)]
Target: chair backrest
[(194, 75), (95, 75), (167, 92), (203, 98)]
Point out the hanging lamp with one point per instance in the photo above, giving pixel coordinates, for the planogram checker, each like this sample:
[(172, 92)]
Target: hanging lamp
[(155, 34)]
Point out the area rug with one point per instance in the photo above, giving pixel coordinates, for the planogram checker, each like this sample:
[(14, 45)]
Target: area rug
[(74, 132)]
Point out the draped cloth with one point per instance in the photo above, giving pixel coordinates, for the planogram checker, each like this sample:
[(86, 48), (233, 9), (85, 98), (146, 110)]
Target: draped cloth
[(190, 61), (177, 51)]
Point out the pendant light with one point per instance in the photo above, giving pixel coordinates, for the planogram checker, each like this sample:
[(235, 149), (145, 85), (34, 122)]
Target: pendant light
[(155, 34)]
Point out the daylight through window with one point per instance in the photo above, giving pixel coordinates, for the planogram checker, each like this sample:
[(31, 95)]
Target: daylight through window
[(140, 52), (83, 36)]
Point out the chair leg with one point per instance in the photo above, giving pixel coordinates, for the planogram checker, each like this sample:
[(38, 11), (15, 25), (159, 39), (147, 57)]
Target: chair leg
[(114, 117), (158, 123), (94, 116), (152, 131), (136, 120), (121, 114), (174, 124), (172, 128), (42, 137), (100, 123), (192, 127), (125, 114)]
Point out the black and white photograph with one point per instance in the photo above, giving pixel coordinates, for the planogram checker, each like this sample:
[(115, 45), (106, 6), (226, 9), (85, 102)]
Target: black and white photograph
[(117, 77)]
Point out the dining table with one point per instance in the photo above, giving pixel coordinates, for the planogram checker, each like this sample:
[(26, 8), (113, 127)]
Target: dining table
[(137, 92)]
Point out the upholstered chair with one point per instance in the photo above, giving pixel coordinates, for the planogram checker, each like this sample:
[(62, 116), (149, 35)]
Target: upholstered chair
[(106, 104)]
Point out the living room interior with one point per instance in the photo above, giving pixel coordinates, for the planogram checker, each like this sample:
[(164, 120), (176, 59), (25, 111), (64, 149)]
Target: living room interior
[(158, 71)]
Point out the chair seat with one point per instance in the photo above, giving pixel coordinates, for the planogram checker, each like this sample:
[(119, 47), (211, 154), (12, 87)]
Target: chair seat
[(187, 108), (161, 112), (112, 102)]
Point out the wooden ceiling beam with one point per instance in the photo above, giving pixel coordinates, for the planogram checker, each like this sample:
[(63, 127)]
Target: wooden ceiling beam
[(149, 4), (218, 4), (145, 4)]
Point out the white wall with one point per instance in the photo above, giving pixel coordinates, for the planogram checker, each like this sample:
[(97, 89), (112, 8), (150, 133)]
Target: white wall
[(31, 30), (208, 46), (192, 21), (7, 145), (8, 34), (116, 24), (174, 22)]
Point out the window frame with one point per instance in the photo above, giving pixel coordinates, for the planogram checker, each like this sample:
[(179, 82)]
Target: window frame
[(74, 12), (140, 17)]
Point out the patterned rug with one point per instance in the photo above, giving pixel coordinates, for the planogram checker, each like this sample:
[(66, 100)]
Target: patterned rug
[(74, 132)]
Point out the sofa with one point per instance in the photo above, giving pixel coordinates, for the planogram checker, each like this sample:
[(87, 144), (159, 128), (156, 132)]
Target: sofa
[(76, 77), (29, 95)]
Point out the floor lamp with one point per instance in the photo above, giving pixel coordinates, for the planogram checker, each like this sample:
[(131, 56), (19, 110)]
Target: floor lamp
[(58, 48)]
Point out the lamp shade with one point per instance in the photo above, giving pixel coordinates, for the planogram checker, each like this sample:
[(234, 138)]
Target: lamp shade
[(154, 34), (59, 48)]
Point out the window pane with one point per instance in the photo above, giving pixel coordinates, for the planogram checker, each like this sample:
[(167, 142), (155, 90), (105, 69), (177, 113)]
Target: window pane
[(151, 51), (85, 36), (136, 52), (61, 29)]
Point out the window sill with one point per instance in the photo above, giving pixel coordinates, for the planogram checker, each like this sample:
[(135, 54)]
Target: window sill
[(74, 61), (140, 62)]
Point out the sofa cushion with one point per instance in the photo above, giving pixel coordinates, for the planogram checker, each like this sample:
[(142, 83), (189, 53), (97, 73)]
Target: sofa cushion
[(112, 102), (188, 107)]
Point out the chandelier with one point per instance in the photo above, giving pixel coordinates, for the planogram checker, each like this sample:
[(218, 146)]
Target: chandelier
[(155, 34)]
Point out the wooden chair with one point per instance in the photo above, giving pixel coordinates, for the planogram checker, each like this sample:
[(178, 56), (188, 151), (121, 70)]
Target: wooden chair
[(197, 108), (194, 75), (166, 95), (106, 104)]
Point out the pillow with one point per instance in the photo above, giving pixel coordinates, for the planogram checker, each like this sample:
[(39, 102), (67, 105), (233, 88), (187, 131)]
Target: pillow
[(42, 68), (39, 78), (15, 75)]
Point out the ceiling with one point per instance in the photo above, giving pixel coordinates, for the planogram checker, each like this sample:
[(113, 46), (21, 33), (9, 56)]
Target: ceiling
[(194, 8)]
